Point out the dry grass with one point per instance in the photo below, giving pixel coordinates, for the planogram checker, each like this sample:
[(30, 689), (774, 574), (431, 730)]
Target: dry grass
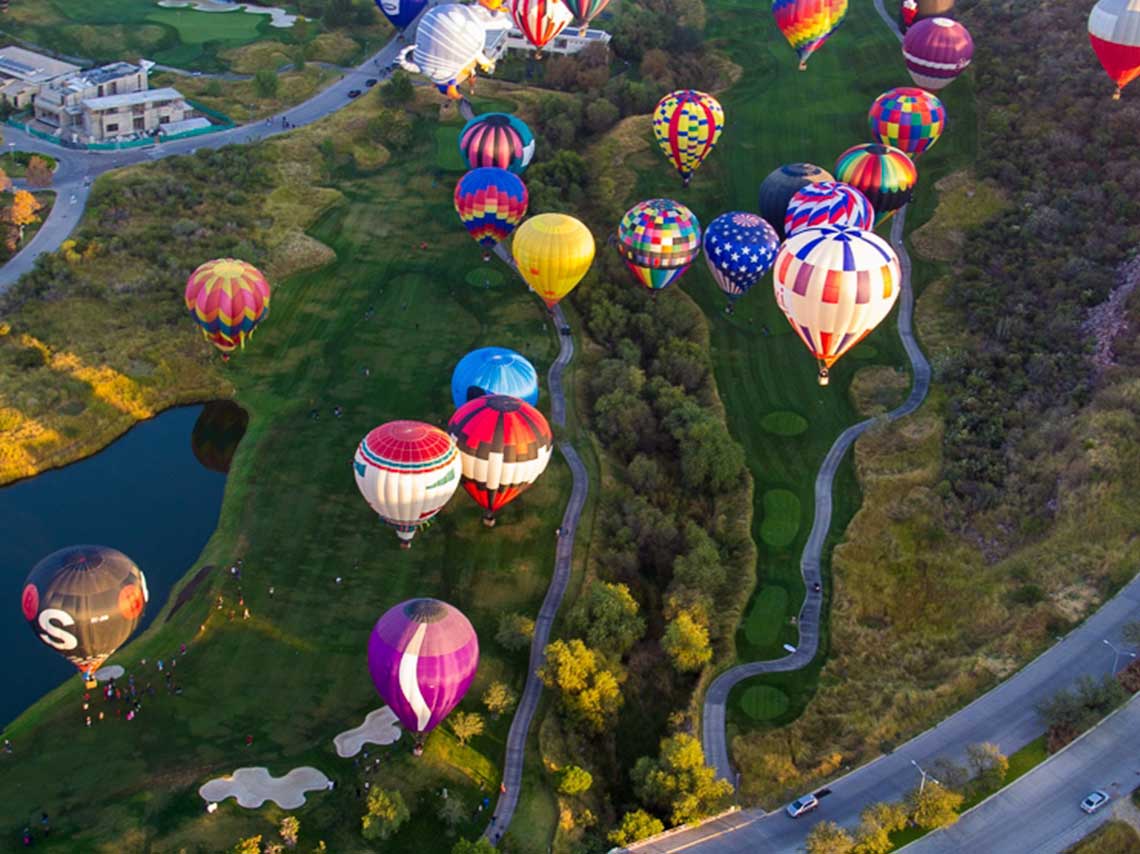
[(334, 48), (259, 56), (963, 203), (236, 97), (878, 389)]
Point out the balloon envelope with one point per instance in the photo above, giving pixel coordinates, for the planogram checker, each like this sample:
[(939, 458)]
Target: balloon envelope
[(422, 656), (739, 249), (497, 139), (807, 24), (828, 203), (909, 118), (228, 299), (84, 602), (505, 444), (781, 184), (584, 11), (884, 174), (553, 252), (687, 125), (540, 20), (936, 51), (490, 202), (658, 239), (401, 12), (494, 370), (1114, 32), (449, 43)]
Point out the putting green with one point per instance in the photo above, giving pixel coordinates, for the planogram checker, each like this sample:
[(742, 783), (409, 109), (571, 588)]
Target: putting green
[(762, 626), (196, 27), (781, 518), (763, 702), (784, 423), (486, 276)]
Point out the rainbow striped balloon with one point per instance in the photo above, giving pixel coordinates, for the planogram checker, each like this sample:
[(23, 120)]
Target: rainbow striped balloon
[(687, 125), (908, 118), (807, 24), (885, 175), (585, 11), (828, 203), (658, 240), (491, 202), (228, 299)]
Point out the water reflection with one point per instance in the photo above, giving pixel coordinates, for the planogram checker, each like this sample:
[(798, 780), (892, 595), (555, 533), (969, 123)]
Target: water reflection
[(217, 433)]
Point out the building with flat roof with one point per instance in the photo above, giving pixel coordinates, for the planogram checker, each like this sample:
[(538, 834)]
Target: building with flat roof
[(132, 113), (565, 43), (23, 72)]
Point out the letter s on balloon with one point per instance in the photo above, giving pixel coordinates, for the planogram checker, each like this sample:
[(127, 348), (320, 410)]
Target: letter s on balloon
[(52, 622)]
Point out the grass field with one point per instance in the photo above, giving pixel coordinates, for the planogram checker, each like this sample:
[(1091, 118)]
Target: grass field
[(763, 702), (294, 675), (1116, 837)]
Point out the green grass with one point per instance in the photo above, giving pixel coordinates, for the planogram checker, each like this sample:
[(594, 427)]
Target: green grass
[(786, 424), (763, 702), (196, 27), (1116, 837), (447, 156), (15, 164), (489, 276), (781, 520), (765, 615)]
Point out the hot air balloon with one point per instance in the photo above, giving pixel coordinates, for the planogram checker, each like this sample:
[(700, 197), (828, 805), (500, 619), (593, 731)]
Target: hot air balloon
[(835, 284), (658, 240), (687, 125), (884, 174), (540, 20), (422, 656), (400, 13), (228, 299), (908, 12), (584, 11), (407, 471), (491, 202), (84, 602), (908, 118), (216, 434), (505, 444), (828, 203), (494, 370), (449, 46), (1114, 30), (936, 51), (739, 249), (807, 24), (781, 184), (553, 252), (497, 139)]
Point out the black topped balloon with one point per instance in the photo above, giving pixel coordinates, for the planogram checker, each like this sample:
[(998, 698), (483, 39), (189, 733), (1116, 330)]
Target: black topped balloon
[(84, 602), (781, 184)]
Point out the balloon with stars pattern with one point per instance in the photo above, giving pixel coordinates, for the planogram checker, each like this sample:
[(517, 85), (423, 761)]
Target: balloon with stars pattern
[(740, 248)]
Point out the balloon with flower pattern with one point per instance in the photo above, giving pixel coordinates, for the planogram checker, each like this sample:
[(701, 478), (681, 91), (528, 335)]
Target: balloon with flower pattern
[(658, 240), (228, 299), (687, 125), (807, 24)]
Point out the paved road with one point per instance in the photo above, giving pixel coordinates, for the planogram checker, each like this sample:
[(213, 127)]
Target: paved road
[(1039, 812)]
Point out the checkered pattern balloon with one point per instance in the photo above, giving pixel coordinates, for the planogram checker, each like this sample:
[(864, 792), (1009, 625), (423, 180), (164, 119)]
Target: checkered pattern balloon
[(909, 118), (687, 125), (658, 239), (739, 249), (828, 203)]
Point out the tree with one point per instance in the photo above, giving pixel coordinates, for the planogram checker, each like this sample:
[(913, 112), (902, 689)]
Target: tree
[(273, 848), (473, 846), (686, 642), (634, 827), (988, 763), (1130, 634), (5, 182), (398, 90), (299, 58), (467, 725), (515, 631), (700, 567), (38, 173), (452, 811), (588, 691), (827, 837), (679, 781), (876, 824), (499, 698), (386, 812), (391, 128), (601, 115), (933, 806), (289, 830), (249, 845), (574, 781), (22, 212), (608, 617), (265, 83)]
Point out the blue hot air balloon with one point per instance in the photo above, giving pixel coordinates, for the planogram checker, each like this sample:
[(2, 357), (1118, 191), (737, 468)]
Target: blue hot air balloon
[(494, 370), (740, 248), (401, 12)]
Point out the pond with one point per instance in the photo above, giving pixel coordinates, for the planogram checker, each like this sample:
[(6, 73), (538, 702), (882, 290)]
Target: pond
[(154, 495)]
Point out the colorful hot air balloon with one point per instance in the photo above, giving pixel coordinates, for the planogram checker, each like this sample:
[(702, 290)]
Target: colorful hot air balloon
[(807, 24), (936, 51), (908, 11), (658, 240), (84, 602), (422, 656), (540, 20), (584, 11), (400, 13), (1114, 31), (494, 370), (933, 9), (553, 252), (216, 434), (781, 184), (885, 175), (687, 125), (835, 284), (828, 203), (228, 299), (908, 118), (449, 46), (407, 471), (497, 139), (491, 202), (739, 249), (505, 444)]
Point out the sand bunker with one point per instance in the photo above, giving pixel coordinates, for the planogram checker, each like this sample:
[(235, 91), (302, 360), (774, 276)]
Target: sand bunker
[(111, 671), (254, 786), (380, 727), (277, 17)]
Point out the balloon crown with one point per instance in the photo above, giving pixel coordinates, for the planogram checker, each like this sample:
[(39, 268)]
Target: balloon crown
[(425, 610), (503, 402)]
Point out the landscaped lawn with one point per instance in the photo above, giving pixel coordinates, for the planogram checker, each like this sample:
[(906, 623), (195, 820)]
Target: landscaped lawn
[(196, 27)]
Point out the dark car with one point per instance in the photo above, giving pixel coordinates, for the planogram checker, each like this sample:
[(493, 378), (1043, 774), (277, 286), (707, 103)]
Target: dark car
[(370, 82), (565, 330), (354, 93)]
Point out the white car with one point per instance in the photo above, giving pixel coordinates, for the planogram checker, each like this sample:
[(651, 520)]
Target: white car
[(1094, 801), (802, 805)]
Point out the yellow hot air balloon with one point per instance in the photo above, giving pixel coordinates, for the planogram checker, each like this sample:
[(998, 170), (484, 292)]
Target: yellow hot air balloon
[(553, 252)]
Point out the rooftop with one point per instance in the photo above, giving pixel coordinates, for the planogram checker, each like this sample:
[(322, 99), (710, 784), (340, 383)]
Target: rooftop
[(33, 67), (147, 96)]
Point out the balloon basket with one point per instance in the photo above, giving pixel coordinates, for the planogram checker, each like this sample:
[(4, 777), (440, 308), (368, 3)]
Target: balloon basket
[(489, 521), (90, 682), (803, 66), (486, 257), (418, 750), (686, 180), (538, 56), (405, 544), (824, 377), (1116, 94)]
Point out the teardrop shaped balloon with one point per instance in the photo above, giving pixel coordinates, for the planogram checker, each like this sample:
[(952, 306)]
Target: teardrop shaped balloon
[(497, 139), (84, 602), (407, 471), (828, 203), (936, 51), (1114, 32), (494, 370), (584, 11), (909, 118), (777, 189), (687, 124), (228, 299), (422, 657), (739, 249), (490, 202), (658, 239), (540, 20), (807, 24), (505, 444), (884, 174), (835, 284), (553, 252)]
